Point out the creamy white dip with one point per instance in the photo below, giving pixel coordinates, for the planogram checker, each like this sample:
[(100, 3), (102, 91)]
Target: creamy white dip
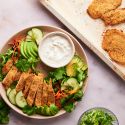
[(56, 50)]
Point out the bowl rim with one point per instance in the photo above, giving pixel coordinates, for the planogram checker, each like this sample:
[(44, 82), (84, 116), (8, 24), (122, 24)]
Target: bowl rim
[(101, 108), (52, 27), (59, 33)]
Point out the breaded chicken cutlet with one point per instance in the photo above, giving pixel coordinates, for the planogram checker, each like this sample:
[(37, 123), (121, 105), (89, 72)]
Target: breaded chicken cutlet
[(99, 7), (20, 85), (6, 68), (39, 91), (114, 17), (8, 80), (33, 90), (114, 44), (51, 94), (27, 82)]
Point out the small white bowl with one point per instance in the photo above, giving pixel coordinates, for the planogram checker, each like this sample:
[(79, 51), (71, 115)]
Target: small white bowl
[(57, 62)]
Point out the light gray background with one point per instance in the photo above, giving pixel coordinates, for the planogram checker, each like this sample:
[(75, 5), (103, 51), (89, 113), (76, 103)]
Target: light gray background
[(104, 89)]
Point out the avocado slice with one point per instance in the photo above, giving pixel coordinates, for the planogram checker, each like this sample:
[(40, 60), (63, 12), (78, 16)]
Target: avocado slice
[(35, 48), (25, 50), (21, 48), (30, 50)]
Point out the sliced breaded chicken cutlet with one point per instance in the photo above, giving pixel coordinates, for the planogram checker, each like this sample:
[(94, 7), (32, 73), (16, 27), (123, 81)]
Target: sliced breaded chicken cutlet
[(8, 80), (114, 17), (6, 68), (39, 91), (21, 83), (44, 94), (51, 94), (27, 82), (17, 76), (114, 44), (98, 7), (33, 90)]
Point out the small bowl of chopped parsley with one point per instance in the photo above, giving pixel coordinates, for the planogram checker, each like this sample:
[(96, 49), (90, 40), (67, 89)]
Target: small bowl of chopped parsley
[(98, 116)]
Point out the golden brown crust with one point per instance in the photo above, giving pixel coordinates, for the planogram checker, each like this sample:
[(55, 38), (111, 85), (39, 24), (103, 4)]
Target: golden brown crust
[(7, 66), (33, 90), (44, 94), (39, 91), (98, 7), (21, 83), (114, 44), (51, 94), (39, 95), (114, 17), (8, 80), (28, 81)]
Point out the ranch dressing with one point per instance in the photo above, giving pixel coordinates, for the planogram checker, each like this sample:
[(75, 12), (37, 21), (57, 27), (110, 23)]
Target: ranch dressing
[(56, 51)]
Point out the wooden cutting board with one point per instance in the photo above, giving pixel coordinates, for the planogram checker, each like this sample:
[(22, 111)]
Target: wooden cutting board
[(72, 13)]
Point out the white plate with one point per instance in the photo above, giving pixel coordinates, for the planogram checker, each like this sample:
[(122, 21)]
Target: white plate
[(45, 29)]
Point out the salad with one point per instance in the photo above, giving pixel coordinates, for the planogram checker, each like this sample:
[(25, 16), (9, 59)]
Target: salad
[(33, 91), (98, 116)]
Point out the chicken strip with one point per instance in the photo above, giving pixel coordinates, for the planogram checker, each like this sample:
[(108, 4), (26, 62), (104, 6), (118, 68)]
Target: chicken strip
[(44, 94), (8, 80), (51, 94), (114, 17), (6, 68), (98, 7), (21, 83), (39, 91), (28, 81), (114, 44), (33, 89), (17, 76), (39, 95)]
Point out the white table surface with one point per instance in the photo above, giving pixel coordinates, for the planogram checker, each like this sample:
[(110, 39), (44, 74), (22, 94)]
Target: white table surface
[(104, 89)]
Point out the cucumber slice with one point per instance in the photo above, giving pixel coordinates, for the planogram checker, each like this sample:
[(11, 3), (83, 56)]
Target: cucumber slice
[(30, 33), (38, 35), (70, 84), (12, 96), (20, 100), (28, 38), (8, 91)]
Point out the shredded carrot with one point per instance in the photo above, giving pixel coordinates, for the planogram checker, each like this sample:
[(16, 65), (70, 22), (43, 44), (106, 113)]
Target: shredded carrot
[(58, 95), (16, 44)]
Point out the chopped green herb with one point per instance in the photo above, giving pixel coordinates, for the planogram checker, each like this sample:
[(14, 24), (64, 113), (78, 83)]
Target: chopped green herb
[(29, 110), (24, 64), (4, 111), (78, 95), (69, 107)]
